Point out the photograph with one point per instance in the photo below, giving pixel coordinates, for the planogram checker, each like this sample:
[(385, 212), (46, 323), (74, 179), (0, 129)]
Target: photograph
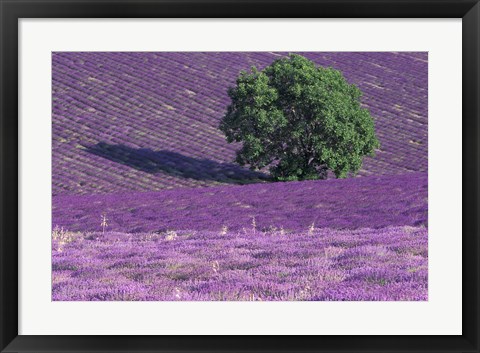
[(239, 176)]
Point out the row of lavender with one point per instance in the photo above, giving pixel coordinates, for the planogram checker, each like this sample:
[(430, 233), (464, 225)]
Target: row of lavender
[(370, 202), (148, 121), (318, 264)]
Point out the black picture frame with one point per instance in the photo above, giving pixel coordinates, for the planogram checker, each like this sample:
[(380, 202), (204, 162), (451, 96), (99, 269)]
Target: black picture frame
[(12, 10)]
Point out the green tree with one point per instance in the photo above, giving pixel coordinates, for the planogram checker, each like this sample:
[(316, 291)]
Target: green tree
[(299, 120)]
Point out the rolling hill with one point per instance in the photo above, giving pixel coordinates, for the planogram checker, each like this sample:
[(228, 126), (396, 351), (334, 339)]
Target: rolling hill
[(148, 121)]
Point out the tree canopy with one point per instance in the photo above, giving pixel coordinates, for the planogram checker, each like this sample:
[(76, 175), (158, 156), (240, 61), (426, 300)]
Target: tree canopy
[(299, 120)]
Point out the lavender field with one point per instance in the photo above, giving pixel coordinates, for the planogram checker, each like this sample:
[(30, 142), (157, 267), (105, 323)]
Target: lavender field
[(317, 264), (147, 203), (373, 202)]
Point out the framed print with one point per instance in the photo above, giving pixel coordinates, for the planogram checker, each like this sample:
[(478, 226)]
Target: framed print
[(176, 176)]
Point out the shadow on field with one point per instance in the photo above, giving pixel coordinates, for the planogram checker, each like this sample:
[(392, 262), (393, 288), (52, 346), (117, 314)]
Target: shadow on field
[(175, 164)]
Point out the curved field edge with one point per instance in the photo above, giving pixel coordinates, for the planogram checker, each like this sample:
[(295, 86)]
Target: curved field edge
[(317, 264), (369, 202), (126, 121)]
